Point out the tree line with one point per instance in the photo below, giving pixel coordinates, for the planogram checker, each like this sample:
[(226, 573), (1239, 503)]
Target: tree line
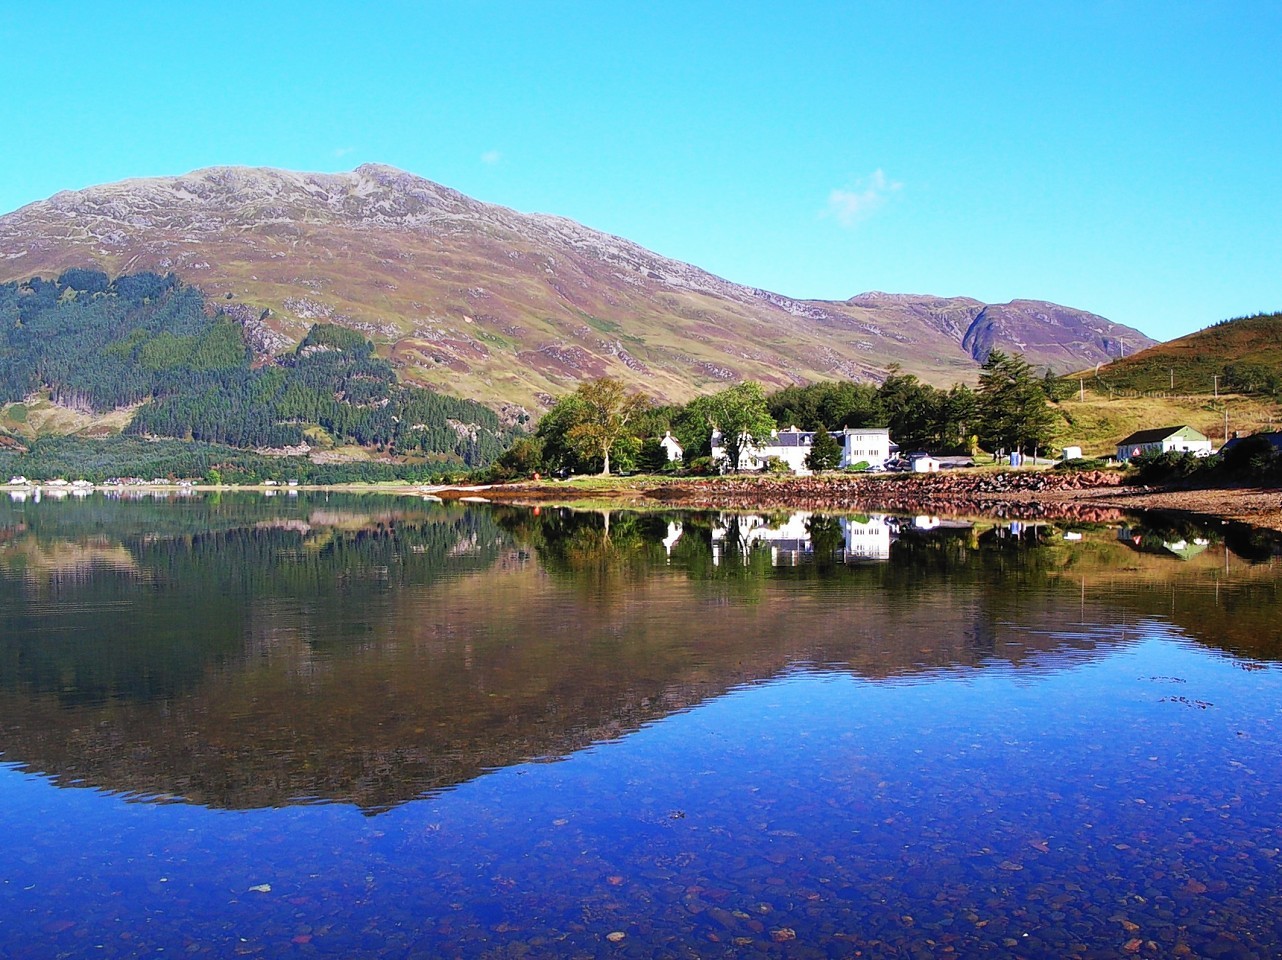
[(601, 425)]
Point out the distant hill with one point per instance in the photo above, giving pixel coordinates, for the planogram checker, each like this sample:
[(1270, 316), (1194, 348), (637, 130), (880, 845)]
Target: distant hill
[(1243, 355), (503, 307), (178, 367)]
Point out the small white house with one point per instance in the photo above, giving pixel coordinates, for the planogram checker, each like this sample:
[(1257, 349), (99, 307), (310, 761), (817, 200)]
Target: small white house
[(1182, 439), (671, 447), (1072, 453), (923, 463)]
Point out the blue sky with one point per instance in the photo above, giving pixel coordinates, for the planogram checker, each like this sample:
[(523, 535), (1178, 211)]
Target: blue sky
[(1120, 157)]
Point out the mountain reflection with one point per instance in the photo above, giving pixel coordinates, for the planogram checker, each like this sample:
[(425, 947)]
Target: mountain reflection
[(239, 652)]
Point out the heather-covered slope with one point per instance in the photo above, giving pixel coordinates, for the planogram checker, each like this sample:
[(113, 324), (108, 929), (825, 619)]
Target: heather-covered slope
[(1243, 355), (479, 300)]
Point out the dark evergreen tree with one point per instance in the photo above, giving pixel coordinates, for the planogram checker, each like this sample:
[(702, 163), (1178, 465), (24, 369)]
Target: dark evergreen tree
[(1014, 414), (825, 451)]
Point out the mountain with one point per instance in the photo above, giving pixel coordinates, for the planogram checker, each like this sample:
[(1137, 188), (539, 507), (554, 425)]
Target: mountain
[(505, 307)]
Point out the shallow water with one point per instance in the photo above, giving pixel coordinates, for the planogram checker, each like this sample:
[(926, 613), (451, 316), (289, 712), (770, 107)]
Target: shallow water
[(368, 727)]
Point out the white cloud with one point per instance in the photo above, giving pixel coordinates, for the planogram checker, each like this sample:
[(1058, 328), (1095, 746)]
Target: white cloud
[(343, 151), (852, 204), (491, 157)]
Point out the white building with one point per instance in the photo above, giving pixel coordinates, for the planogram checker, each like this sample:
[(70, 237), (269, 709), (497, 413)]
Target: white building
[(869, 445), (671, 447), (1182, 439), (866, 444)]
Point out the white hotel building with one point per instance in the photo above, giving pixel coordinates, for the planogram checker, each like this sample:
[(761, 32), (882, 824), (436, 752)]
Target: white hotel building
[(869, 445)]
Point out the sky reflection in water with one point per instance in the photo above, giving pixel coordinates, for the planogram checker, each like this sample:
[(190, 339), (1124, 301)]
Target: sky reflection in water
[(1102, 784)]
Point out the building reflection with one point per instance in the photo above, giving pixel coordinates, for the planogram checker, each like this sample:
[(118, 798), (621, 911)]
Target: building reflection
[(800, 537)]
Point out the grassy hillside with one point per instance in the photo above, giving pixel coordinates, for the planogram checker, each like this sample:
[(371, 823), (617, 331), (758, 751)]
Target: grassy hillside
[(1100, 421), (39, 416), (1233, 368), (1243, 355)]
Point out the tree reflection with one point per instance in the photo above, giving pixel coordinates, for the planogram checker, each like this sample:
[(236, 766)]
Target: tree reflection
[(370, 651)]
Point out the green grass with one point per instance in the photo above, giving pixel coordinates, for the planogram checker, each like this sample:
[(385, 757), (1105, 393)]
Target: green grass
[(1097, 424), (601, 324)]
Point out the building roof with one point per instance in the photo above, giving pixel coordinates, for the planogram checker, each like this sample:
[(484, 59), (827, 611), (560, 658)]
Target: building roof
[(1156, 435), (791, 438), (1274, 439)]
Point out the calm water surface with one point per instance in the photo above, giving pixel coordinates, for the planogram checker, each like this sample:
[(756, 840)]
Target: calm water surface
[(364, 727)]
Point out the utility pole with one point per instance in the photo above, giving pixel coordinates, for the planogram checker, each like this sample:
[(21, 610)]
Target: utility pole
[(1172, 378), (1081, 389), (1215, 384), (1226, 423)]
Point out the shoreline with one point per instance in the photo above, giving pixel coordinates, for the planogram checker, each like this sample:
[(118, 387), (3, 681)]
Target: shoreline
[(1090, 497), (1018, 495)]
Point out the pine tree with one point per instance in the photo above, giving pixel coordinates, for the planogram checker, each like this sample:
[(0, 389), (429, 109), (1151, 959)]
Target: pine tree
[(1013, 409), (825, 452)]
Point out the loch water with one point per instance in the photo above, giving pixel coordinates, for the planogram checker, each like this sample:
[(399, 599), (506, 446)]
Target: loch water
[(314, 725)]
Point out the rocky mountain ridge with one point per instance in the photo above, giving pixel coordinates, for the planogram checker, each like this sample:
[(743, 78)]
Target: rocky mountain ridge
[(507, 307)]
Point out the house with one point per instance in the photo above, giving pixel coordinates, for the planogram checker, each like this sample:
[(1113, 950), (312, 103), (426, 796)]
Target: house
[(866, 444), (671, 447), (869, 445), (1181, 439)]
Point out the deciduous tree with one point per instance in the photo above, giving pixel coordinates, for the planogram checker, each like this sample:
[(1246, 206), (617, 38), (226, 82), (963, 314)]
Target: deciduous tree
[(740, 413), (604, 408)]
